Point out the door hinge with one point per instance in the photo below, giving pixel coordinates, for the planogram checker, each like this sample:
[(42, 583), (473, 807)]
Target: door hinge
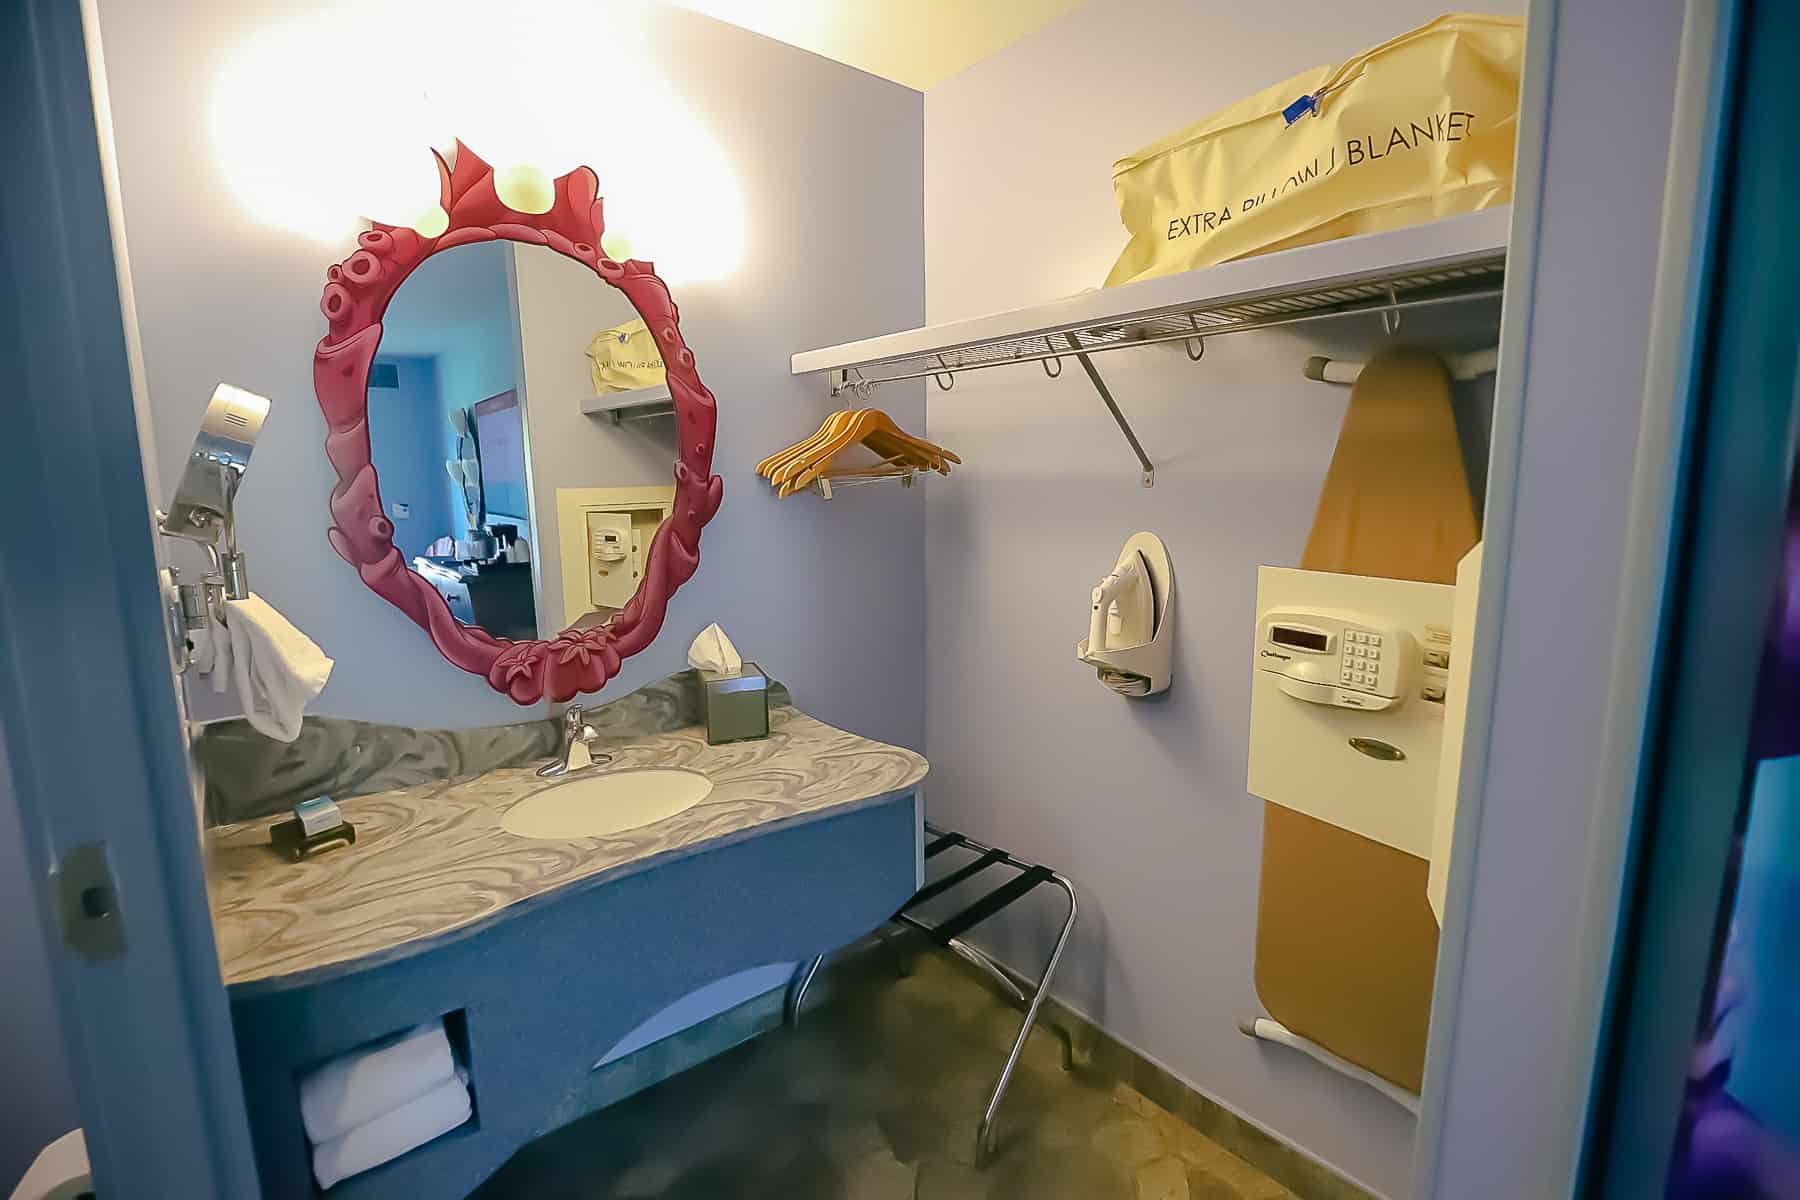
[(91, 923)]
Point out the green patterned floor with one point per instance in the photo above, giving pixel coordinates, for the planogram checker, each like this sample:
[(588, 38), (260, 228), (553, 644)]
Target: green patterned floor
[(876, 1097)]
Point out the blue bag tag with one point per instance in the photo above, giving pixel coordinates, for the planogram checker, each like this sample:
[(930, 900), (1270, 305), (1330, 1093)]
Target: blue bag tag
[(1300, 107)]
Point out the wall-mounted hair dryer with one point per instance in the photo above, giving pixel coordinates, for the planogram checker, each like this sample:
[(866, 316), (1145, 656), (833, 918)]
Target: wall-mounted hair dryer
[(203, 512), (1130, 641), (202, 509)]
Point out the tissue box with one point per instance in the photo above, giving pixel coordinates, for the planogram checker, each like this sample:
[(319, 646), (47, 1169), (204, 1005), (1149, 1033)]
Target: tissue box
[(736, 707)]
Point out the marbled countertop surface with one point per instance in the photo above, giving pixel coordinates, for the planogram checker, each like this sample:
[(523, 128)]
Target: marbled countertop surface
[(432, 859)]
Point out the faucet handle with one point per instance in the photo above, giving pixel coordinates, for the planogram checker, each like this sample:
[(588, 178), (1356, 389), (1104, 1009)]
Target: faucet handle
[(577, 729)]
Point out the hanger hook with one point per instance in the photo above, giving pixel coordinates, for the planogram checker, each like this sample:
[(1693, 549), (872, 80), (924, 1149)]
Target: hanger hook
[(1390, 316), (1045, 363), (940, 377), (1190, 344)]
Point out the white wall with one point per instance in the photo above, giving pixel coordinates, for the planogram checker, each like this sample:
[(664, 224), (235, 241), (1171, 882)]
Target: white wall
[(828, 164), (1141, 804)]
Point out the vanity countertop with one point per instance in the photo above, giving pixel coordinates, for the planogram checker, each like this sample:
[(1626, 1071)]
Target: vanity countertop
[(431, 861)]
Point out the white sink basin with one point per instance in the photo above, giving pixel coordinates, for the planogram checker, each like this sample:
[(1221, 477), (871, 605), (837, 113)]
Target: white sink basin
[(606, 802)]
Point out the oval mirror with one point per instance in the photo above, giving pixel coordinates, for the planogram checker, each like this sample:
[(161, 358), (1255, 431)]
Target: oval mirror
[(503, 401)]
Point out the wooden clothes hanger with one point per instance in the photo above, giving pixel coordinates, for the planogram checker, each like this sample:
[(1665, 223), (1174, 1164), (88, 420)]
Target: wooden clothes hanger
[(790, 476), (768, 466), (820, 448), (801, 464), (871, 421)]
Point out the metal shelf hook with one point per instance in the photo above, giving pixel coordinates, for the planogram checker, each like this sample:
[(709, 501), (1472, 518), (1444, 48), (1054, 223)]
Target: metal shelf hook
[(1189, 344), (1390, 316), (939, 378)]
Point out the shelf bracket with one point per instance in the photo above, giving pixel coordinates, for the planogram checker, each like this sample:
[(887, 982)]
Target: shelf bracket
[(1112, 406), (849, 379)]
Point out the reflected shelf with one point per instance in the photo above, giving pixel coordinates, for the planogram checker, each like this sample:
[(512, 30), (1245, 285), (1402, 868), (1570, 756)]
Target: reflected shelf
[(639, 404)]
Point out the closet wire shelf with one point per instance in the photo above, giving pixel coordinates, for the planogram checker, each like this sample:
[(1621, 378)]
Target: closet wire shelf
[(1389, 296)]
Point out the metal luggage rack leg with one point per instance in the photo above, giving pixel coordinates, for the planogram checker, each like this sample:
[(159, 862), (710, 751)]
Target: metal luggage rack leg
[(949, 931)]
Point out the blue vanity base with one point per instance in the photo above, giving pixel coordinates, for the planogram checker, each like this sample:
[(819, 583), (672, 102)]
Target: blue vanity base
[(535, 997)]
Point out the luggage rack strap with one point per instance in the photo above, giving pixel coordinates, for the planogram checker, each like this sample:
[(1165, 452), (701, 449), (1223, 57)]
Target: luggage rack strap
[(939, 886), (988, 905), (938, 845)]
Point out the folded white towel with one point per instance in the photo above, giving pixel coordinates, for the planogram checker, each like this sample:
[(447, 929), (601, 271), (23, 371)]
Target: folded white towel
[(277, 669), (358, 1087), (387, 1137)]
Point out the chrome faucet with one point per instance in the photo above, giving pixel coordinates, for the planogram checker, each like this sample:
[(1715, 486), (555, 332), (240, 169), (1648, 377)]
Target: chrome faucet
[(579, 740)]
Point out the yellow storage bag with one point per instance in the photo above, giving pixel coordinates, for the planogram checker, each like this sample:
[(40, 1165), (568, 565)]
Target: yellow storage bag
[(1419, 127), (625, 358)]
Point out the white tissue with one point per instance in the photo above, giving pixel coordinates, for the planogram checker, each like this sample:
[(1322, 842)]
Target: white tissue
[(713, 651)]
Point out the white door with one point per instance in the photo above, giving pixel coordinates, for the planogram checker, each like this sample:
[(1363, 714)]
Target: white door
[(94, 746)]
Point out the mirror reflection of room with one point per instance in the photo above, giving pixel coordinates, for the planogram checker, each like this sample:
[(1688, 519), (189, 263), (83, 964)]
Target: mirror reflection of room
[(508, 376)]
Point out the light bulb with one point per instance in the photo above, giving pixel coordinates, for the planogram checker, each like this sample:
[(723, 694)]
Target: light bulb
[(432, 222), (525, 188), (615, 246)]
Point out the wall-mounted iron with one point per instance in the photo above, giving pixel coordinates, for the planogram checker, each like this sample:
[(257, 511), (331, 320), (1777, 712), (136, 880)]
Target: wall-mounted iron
[(202, 510), (1130, 641)]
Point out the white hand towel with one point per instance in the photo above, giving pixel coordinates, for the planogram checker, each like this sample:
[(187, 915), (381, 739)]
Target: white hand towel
[(358, 1087), (387, 1137), (277, 669)]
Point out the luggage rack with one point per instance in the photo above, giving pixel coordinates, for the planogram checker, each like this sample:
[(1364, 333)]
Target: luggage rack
[(948, 933)]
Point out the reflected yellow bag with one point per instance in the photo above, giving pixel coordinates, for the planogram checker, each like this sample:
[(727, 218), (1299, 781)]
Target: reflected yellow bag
[(625, 358), (1419, 127)]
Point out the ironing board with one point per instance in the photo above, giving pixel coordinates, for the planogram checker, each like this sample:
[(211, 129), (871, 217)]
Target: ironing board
[(1346, 942)]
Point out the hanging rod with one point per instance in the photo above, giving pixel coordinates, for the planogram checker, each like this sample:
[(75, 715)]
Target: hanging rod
[(945, 366), (841, 380)]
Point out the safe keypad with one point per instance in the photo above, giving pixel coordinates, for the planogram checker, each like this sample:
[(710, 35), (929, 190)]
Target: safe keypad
[(1362, 659)]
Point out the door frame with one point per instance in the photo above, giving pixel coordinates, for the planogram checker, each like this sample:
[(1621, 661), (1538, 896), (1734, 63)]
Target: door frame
[(96, 748), (1728, 558), (1474, 1139)]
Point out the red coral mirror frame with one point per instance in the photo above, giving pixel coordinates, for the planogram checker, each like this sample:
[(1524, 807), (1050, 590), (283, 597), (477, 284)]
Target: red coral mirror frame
[(356, 297)]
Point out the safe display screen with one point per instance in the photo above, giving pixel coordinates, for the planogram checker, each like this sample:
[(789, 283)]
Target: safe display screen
[(1304, 639)]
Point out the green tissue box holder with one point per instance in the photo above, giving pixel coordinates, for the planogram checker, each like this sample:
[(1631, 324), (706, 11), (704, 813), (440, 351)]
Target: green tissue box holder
[(735, 707)]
